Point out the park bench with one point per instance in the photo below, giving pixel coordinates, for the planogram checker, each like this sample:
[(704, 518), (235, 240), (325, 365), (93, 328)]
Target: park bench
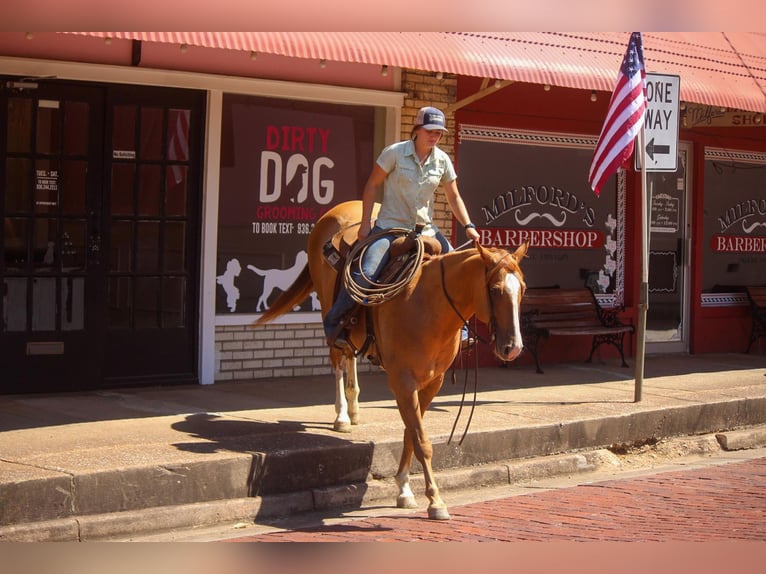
[(757, 298), (566, 312)]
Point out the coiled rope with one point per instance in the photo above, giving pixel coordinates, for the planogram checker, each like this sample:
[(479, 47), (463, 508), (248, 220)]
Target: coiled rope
[(379, 291)]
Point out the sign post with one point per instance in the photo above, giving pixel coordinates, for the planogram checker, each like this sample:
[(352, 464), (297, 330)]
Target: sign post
[(657, 151)]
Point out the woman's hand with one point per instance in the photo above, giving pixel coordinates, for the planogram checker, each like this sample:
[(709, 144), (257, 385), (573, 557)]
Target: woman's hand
[(472, 233), (364, 230)]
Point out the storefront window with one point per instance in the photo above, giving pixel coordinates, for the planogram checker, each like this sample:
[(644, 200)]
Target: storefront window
[(734, 228), (283, 164), (534, 187)]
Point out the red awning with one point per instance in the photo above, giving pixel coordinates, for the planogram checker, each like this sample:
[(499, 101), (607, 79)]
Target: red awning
[(726, 69)]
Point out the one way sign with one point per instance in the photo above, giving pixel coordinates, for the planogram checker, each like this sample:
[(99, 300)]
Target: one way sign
[(660, 151)]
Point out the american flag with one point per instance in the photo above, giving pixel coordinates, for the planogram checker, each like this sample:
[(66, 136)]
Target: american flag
[(624, 118)]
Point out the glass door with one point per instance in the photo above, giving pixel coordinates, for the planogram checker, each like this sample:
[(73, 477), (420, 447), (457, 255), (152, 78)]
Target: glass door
[(667, 328), (151, 211), (50, 240), (99, 243)]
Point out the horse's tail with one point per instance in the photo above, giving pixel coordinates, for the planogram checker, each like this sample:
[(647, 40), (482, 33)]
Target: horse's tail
[(295, 294)]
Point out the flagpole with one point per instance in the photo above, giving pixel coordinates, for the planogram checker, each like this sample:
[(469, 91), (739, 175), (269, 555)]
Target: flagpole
[(626, 113), (643, 304)]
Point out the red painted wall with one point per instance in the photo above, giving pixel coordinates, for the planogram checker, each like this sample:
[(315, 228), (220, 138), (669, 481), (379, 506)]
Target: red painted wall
[(532, 107)]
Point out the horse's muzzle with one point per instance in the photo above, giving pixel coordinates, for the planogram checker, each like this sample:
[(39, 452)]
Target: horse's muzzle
[(509, 351)]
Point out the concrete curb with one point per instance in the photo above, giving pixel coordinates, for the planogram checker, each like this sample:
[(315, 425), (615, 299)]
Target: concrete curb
[(374, 492), (742, 439)]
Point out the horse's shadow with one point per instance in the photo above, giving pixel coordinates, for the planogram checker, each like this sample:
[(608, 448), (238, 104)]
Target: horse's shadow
[(285, 458)]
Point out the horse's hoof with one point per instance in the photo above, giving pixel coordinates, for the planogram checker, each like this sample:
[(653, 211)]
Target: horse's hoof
[(438, 513), (341, 427), (406, 502)]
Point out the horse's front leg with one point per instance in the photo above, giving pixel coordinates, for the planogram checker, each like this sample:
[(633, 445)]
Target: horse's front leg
[(352, 390), (412, 406), (346, 391), (405, 498)]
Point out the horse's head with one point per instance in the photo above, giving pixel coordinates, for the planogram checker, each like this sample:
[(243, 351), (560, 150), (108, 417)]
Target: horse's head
[(505, 286)]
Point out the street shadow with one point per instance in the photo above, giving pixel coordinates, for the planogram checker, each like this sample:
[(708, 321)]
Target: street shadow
[(286, 457)]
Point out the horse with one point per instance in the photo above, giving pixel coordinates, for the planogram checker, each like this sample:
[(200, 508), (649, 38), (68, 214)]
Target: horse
[(416, 333)]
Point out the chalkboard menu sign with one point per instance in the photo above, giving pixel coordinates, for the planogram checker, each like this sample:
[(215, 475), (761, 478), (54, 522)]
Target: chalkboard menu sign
[(663, 271)]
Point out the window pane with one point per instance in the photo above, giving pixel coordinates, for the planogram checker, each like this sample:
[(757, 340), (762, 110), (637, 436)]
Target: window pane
[(19, 125), (175, 190), (173, 302), (73, 304), (119, 302), (175, 233), (48, 127), (73, 247), (15, 235), (147, 291), (44, 304), (149, 193), (151, 133), (178, 135), (76, 128), (124, 134), (44, 244), (123, 176), (17, 184), (121, 247), (15, 304), (147, 247), (46, 186), (73, 187)]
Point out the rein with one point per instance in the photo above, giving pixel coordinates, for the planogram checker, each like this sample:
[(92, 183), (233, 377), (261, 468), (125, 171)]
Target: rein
[(476, 357), (488, 274)]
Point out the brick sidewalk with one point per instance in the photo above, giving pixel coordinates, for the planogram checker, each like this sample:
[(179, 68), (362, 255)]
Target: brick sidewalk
[(722, 503)]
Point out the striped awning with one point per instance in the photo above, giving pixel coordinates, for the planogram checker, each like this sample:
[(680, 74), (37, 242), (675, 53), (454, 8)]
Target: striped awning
[(726, 69)]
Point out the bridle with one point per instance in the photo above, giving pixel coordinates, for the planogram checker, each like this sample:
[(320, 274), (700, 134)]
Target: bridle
[(488, 273)]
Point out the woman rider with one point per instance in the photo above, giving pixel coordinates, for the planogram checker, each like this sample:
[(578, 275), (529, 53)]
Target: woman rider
[(409, 171)]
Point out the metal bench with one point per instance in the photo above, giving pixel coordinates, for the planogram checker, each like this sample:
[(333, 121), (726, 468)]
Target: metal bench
[(567, 312), (757, 298)]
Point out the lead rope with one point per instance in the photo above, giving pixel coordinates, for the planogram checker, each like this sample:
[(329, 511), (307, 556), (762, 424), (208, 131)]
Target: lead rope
[(476, 366), (462, 399)]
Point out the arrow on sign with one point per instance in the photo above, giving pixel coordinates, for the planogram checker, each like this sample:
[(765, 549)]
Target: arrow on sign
[(652, 149)]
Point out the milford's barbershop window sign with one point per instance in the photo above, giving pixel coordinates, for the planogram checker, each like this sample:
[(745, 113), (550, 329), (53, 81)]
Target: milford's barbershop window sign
[(534, 187), (735, 222), (283, 164)]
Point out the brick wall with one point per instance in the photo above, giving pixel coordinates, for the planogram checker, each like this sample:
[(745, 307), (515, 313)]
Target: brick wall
[(295, 350), (425, 89)]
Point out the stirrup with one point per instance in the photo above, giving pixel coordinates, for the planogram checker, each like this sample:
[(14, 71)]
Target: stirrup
[(339, 334), (467, 343), (340, 341)]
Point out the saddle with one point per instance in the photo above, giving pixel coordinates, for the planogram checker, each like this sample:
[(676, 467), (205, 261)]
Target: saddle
[(403, 256)]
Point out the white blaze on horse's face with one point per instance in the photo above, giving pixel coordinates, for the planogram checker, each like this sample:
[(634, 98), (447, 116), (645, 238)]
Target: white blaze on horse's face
[(515, 289)]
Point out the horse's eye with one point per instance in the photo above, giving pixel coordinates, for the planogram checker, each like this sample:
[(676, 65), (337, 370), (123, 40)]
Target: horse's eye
[(496, 290)]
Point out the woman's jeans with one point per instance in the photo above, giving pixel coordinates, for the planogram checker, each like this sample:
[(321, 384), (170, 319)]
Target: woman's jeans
[(375, 259)]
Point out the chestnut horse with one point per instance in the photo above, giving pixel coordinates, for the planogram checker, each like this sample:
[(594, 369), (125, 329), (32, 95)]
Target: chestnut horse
[(417, 333)]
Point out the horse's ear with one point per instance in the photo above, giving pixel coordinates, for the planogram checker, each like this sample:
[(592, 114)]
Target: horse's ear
[(521, 251), (480, 248)]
